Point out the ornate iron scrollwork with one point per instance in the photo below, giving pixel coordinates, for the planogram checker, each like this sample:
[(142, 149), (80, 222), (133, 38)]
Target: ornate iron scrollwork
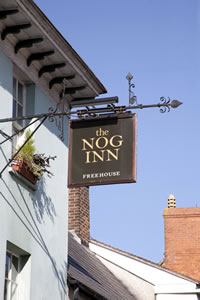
[(59, 119), (165, 102)]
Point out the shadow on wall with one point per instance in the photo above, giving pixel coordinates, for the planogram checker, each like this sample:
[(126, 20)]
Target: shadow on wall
[(42, 203), (42, 206), (31, 226)]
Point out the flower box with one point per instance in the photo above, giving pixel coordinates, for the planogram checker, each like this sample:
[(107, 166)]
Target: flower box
[(21, 167)]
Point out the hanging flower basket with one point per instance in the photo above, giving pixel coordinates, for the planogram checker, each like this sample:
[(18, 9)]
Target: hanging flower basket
[(22, 168)]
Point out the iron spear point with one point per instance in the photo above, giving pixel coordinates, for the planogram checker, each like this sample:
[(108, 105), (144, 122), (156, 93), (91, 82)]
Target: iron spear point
[(175, 103)]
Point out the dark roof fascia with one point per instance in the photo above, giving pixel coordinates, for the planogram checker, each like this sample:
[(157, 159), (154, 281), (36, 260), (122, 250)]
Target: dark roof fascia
[(83, 287)]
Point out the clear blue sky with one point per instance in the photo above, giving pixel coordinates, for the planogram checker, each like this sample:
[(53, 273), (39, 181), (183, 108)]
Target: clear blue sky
[(158, 41)]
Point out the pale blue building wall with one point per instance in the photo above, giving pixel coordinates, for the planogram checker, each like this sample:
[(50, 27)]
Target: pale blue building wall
[(35, 221)]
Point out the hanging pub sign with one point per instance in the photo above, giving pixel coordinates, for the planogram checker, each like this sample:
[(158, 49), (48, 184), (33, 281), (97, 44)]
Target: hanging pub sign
[(102, 150)]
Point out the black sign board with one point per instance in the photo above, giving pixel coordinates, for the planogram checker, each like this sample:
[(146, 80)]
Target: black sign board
[(102, 150)]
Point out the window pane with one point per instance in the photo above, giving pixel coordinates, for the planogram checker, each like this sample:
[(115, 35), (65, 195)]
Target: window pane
[(15, 267), (19, 110), (14, 88), (14, 108), (8, 264), (19, 114), (20, 93)]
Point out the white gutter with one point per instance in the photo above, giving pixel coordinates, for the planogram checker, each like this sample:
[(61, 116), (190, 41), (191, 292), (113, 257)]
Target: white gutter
[(176, 289)]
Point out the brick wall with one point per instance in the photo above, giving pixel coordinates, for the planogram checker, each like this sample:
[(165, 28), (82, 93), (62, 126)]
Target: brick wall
[(79, 212), (182, 240)]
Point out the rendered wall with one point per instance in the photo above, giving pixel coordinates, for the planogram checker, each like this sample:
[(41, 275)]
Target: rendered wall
[(35, 221), (139, 288)]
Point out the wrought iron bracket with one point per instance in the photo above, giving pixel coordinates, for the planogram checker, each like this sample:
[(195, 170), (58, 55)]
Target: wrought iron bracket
[(58, 117), (131, 86), (164, 106), (108, 109)]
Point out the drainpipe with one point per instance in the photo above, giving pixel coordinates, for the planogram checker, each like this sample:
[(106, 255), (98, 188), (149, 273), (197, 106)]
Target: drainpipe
[(76, 294)]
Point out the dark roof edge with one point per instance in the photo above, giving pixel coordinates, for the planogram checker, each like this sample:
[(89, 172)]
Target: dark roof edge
[(84, 287)]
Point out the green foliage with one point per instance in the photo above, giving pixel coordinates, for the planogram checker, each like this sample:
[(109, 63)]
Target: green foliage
[(28, 151)]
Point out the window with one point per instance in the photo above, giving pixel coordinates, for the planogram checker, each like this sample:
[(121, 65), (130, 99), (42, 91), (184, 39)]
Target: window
[(12, 269), (17, 273), (18, 100), (18, 110), (23, 103)]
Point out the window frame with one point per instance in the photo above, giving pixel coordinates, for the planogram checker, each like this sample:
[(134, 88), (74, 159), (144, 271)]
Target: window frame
[(9, 282), (23, 277), (16, 127), (17, 101)]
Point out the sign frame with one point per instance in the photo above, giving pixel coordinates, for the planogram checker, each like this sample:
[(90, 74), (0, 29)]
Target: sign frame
[(105, 118)]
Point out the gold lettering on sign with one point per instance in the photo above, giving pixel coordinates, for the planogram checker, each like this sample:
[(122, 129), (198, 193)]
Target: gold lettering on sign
[(86, 142), (115, 156), (95, 147)]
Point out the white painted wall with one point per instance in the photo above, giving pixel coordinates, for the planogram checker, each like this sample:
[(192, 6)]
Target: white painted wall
[(166, 285), (142, 290), (35, 221)]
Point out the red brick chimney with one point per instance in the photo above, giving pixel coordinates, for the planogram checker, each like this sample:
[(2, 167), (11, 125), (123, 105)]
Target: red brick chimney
[(79, 213), (182, 239)]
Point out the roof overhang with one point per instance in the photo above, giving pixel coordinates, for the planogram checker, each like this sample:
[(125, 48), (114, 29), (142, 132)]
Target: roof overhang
[(31, 41)]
